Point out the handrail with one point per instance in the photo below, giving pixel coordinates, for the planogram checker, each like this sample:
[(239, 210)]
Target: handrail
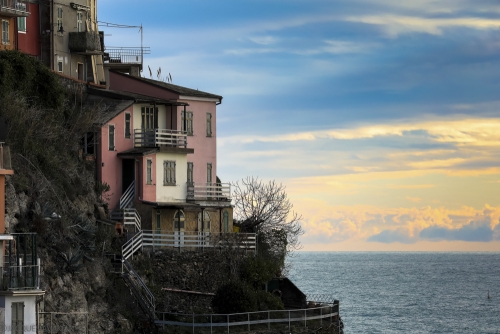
[(128, 196), (131, 246), (159, 137), (150, 299), (330, 311), (20, 277)]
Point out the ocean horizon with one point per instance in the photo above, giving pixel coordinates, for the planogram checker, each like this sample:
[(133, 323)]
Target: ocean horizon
[(402, 292)]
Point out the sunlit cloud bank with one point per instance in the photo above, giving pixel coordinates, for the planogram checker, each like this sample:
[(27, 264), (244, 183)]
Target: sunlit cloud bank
[(369, 227)]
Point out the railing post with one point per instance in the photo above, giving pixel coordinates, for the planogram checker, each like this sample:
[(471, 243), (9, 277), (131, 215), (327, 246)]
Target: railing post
[(193, 322), (248, 321), (210, 324), (305, 318), (228, 323), (268, 318), (289, 320), (321, 316)]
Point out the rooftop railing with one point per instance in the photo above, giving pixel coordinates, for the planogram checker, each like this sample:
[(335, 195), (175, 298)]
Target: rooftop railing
[(125, 55)]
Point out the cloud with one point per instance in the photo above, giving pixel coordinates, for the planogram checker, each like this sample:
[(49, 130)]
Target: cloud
[(413, 199), (390, 236), (471, 232), (395, 25)]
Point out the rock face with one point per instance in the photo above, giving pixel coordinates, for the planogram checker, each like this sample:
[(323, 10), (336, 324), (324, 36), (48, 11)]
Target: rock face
[(190, 271)]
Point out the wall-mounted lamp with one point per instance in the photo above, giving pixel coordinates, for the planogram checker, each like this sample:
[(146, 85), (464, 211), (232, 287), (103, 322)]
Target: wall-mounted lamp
[(60, 30)]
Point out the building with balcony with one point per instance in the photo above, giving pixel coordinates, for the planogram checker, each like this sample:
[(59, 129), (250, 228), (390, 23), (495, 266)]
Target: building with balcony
[(70, 40), (13, 14), (159, 163)]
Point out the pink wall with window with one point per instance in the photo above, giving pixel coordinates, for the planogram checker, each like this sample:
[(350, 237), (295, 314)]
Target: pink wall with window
[(109, 165), (148, 192)]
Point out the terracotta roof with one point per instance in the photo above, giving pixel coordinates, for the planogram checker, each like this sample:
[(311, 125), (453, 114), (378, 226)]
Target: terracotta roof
[(184, 91)]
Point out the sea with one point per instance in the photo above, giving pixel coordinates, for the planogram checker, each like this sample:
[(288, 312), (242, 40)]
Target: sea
[(405, 292)]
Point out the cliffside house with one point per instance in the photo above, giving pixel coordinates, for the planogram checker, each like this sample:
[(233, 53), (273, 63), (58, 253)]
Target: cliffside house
[(13, 17), (156, 148)]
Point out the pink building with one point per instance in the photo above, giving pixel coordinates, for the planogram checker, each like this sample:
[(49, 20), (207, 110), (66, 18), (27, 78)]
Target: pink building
[(156, 149)]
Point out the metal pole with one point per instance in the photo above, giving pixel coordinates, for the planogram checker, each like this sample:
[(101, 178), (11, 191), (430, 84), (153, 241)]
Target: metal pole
[(321, 316), (50, 323), (288, 320), (228, 323), (268, 318), (305, 318), (210, 324), (193, 322), (248, 322)]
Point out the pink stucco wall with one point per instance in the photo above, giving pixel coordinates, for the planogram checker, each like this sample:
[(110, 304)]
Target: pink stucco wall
[(148, 192), (205, 148), (109, 165)]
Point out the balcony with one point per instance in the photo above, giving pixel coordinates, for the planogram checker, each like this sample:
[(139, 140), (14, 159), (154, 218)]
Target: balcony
[(209, 192), (125, 55), (160, 138), (5, 161), (85, 42), (20, 277), (14, 8)]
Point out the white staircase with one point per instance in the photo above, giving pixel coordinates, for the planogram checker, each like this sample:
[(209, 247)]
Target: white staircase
[(126, 213)]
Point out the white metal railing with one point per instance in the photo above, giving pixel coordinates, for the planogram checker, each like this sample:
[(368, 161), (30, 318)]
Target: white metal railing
[(15, 7), (25, 277), (330, 313), (140, 287), (129, 216), (244, 241), (160, 137), (209, 191), (128, 196), (132, 246)]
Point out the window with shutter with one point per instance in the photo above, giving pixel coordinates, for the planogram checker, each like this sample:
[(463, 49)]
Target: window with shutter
[(111, 137), (190, 173), (149, 117), (17, 318), (127, 125), (149, 172), (169, 173), (5, 32), (209, 124)]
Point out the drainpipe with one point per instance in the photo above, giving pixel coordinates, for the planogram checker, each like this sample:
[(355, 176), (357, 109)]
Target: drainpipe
[(185, 120)]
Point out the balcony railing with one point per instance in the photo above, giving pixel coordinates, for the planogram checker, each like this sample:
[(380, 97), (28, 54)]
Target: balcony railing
[(5, 161), (87, 42), (209, 191), (125, 55), (14, 8), (159, 137), (20, 277), (182, 239)]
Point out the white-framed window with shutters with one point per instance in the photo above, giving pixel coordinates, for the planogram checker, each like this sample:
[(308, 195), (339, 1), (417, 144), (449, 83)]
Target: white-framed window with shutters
[(21, 21), (190, 167), (80, 26), (187, 123), (169, 173), (149, 171), (127, 125), (5, 32), (59, 18), (209, 124), (17, 322)]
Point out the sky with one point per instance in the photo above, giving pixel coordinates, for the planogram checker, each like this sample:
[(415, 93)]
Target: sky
[(381, 117)]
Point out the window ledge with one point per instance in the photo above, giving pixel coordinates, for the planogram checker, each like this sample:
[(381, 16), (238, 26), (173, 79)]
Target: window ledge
[(169, 184)]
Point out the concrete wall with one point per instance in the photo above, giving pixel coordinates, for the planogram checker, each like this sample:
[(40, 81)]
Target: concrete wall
[(168, 193), (29, 312)]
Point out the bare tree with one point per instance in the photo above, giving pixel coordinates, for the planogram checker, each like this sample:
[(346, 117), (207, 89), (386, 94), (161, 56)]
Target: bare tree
[(261, 207)]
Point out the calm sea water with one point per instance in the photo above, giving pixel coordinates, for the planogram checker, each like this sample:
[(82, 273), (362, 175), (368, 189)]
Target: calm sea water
[(406, 292)]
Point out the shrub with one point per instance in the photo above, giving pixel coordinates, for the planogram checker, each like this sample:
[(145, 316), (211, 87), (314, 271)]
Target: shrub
[(234, 297)]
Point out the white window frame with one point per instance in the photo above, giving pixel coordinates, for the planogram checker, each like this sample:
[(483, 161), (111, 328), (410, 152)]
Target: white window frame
[(169, 167), (149, 118), (209, 124), (80, 27), (59, 18), (127, 125), (5, 32), (111, 137), (21, 21), (149, 171)]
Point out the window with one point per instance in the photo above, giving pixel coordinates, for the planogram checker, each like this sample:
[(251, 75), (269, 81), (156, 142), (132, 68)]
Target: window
[(158, 221), (209, 173), (59, 18), (111, 137), (225, 219), (190, 173), (79, 22), (17, 318), (169, 173), (149, 118), (60, 66), (179, 220), (149, 172), (5, 32), (187, 124), (127, 125), (209, 124), (21, 21)]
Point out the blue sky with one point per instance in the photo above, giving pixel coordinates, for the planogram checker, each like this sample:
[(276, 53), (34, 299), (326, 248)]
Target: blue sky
[(381, 117)]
